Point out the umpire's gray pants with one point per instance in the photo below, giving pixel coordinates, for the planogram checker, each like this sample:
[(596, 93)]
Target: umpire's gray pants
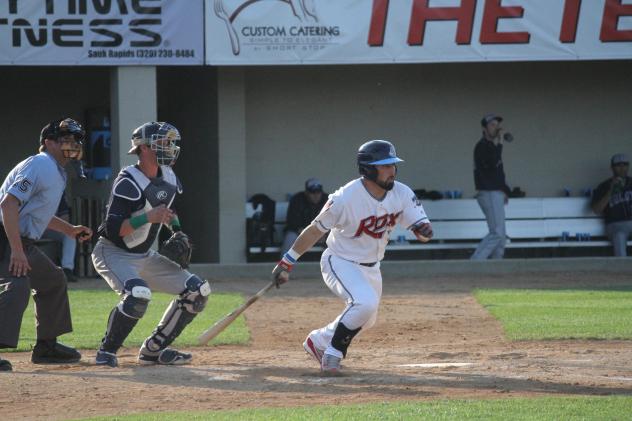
[(492, 204), (116, 266), (619, 232), (48, 284)]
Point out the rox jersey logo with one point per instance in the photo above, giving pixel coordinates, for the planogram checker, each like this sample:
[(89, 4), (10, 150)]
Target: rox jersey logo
[(376, 226)]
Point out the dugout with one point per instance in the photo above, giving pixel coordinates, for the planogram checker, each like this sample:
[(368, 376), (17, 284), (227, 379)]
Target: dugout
[(257, 129)]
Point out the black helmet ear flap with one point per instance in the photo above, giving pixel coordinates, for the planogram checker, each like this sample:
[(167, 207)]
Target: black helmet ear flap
[(368, 171)]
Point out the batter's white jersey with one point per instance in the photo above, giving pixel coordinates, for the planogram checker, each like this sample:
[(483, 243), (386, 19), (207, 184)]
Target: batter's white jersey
[(360, 224)]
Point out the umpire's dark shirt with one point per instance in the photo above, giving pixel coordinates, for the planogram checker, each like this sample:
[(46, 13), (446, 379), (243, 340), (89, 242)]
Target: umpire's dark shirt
[(301, 212), (489, 173)]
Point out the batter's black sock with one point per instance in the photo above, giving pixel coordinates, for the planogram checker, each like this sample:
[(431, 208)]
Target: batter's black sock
[(342, 338)]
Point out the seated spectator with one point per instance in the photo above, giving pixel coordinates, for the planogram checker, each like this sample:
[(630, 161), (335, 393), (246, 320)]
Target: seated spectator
[(613, 199), (68, 244), (303, 208)]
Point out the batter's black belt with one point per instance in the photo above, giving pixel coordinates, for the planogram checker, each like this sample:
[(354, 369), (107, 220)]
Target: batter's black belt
[(369, 265)]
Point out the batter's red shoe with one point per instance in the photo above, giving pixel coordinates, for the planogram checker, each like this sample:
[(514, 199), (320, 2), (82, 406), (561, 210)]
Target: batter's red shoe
[(313, 350)]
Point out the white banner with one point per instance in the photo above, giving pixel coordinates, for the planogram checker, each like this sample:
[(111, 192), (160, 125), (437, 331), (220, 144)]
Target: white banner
[(251, 32), (101, 32)]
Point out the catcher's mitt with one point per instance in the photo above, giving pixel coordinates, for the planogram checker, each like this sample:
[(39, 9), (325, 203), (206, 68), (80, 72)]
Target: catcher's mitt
[(177, 248)]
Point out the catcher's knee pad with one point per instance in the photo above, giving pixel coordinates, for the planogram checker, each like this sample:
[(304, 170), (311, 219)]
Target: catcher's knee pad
[(342, 337), (195, 296), (135, 299)]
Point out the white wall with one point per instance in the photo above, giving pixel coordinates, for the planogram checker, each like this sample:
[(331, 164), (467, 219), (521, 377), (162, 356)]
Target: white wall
[(568, 119)]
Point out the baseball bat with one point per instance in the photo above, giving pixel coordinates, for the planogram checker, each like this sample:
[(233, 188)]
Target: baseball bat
[(224, 322)]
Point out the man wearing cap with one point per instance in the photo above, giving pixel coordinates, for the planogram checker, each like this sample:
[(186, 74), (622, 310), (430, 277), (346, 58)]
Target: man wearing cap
[(493, 192), (29, 197), (613, 199), (303, 208)]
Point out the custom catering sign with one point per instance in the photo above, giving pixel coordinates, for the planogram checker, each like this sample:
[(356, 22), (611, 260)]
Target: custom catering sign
[(101, 32), (253, 32)]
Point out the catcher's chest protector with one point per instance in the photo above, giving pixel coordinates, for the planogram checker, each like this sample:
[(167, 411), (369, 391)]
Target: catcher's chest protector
[(155, 192)]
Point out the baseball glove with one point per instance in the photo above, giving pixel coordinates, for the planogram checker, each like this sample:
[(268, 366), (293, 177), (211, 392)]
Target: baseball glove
[(177, 248)]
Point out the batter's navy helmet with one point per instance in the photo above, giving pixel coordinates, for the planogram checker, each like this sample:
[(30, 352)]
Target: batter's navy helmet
[(376, 152)]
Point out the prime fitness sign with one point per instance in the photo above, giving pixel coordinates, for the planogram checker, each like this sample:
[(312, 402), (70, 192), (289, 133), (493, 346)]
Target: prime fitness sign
[(101, 32), (386, 31)]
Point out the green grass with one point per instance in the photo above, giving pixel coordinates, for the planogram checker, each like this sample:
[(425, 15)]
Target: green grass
[(555, 408), (560, 314), (90, 310)]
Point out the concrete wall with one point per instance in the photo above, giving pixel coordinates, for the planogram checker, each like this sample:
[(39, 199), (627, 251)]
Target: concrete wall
[(568, 118)]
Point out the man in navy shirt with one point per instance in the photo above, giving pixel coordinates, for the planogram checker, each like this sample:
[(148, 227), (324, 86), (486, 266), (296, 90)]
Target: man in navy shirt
[(29, 197), (493, 192)]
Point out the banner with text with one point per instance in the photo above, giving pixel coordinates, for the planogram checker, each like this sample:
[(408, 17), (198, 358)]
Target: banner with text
[(251, 32), (101, 32)]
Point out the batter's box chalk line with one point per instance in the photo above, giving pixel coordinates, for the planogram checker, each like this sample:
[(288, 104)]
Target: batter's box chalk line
[(436, 365)]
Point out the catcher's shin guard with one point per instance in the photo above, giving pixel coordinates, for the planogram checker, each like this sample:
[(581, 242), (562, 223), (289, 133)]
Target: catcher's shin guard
[(119, 326), (126, 314), (342, 338), (178, 315)]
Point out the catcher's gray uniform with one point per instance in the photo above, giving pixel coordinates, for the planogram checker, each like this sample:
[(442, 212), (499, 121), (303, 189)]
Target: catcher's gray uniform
[(134, 270)]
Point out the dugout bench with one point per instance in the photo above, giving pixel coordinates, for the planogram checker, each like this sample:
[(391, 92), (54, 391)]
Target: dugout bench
[(531, 223)]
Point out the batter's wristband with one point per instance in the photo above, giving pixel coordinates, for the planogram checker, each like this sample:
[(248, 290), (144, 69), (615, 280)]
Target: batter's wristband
[(287, 263), (175, 224), (293, 255), (138, 220)]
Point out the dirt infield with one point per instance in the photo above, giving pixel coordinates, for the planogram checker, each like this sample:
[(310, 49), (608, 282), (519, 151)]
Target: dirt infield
[(422, 321)]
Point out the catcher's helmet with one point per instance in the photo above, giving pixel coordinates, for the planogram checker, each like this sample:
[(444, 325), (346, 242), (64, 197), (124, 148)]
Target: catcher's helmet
[(161, 137), (376, 152)]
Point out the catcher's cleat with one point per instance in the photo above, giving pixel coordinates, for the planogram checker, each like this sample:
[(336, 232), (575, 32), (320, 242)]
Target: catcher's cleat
[(312, 349), (330, 365), (167, 356), (106, 358), (53, 352)]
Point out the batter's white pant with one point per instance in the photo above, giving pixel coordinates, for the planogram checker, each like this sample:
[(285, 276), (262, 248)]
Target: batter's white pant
[(360, 287)]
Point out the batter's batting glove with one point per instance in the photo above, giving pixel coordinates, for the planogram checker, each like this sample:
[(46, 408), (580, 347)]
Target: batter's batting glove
[(281, 272), (423, 231)]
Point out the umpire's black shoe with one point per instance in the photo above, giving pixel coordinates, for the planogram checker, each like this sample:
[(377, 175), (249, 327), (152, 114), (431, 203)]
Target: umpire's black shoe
[(5, 365), (70, 277), (53, 352)]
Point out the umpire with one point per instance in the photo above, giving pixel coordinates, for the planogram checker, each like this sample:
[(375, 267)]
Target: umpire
[(29, 197)]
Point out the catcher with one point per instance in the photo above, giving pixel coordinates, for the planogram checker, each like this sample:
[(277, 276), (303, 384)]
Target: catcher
[(140, 204)]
